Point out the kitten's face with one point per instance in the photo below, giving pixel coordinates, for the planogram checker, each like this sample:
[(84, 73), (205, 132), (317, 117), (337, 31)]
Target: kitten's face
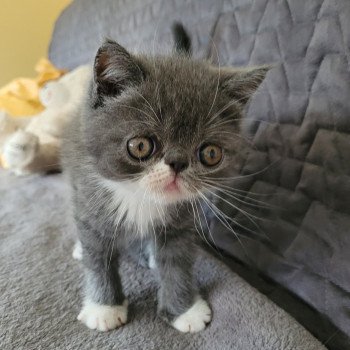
[(169, 126)]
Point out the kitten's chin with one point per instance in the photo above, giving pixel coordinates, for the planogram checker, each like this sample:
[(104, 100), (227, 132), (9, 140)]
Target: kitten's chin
[(168, 198), (172, 196)]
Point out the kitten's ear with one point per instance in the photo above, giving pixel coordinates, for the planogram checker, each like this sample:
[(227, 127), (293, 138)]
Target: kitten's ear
[(114, 70), (240, 84)]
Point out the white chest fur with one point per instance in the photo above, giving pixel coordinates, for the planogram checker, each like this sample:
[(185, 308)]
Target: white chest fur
[(134, 206)]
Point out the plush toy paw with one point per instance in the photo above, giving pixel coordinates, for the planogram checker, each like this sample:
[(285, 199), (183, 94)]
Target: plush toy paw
[(195, 318), (103, 317), (19, 150)]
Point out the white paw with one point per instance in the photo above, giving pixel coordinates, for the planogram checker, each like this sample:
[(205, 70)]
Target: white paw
[(195, 318), (103, 317), (77, 251)]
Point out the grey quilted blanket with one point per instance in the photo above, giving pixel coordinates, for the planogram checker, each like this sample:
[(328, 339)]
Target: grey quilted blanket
[(40, 299), (297, 125)]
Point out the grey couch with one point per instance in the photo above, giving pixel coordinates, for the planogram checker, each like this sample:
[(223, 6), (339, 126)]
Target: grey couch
[(298, 125), (295, 176)]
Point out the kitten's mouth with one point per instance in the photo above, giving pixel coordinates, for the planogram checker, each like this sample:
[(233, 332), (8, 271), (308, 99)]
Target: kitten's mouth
[(173, 186), (167, 186)]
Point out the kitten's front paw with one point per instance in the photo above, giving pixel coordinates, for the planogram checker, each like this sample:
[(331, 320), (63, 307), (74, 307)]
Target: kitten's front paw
[(195, 318), (103, 317)]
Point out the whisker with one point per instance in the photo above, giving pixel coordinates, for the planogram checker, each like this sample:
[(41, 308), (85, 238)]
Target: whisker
[(149, 105), (114, 237), (136, 109), (152, 223), (161, 215), (259, 204), (243, 176), (237, 223), (209, 231), (215, 131), (230, 120), (258, 233), (205, 218), (141, 207), (221, 110), (249, 216), (159, 102), (200, 223), (155, 71), (228, 105), (195, 225), (141, 218), (218, 214), (232, 189), (218, 82)]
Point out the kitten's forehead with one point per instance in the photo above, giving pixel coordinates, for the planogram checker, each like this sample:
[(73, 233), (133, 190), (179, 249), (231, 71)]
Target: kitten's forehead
[(184, 93), (182, 83)]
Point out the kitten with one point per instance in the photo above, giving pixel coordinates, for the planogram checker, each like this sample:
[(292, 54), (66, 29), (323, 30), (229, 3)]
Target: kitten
[(153, 133)]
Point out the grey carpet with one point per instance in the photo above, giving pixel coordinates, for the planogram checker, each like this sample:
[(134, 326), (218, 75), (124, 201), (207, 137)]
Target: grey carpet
[(39, 285)]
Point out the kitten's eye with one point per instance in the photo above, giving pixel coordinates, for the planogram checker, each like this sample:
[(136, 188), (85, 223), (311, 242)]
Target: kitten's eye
[(140, 148), (210, 155)]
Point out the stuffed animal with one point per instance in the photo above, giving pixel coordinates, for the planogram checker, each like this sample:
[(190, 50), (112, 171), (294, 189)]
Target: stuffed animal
[(35, 147)]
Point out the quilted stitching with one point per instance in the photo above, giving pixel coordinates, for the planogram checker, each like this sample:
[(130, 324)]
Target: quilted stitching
[(138, 25), (300, 116)]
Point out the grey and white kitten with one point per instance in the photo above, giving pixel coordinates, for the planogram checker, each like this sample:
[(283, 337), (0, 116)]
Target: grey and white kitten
[(154, 131)]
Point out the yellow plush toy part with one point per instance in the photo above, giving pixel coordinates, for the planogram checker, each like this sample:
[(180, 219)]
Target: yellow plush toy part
[(20, 98), (35, 147)]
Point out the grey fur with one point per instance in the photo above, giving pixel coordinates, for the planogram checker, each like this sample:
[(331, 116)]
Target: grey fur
[(180, 102)]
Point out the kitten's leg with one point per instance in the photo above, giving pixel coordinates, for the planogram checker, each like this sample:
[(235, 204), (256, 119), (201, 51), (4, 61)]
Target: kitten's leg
[(104, 306), (179, 302)]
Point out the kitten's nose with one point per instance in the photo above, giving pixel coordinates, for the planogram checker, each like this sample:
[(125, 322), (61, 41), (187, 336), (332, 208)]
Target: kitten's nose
[(176, 161), (178, 166)]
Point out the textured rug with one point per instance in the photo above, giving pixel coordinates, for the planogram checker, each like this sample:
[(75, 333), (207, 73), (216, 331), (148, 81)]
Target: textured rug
[(40, 283)]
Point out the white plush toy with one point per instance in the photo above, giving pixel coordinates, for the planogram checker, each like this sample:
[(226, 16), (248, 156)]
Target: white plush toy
[(35, 147)]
